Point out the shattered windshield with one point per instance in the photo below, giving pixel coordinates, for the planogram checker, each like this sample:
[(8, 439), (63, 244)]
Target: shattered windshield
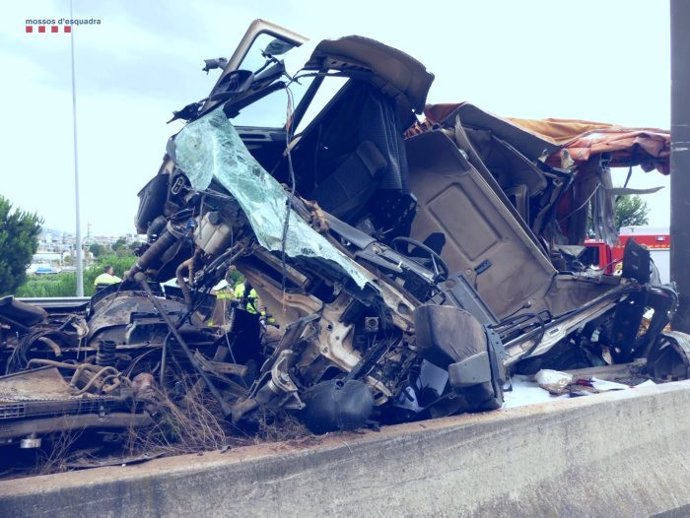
[(211, 147)]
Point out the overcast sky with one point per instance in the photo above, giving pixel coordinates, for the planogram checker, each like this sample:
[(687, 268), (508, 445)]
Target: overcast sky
[(607, 61)]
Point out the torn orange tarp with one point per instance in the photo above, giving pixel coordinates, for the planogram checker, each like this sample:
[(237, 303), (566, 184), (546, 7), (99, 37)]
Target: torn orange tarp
[(647, 147)]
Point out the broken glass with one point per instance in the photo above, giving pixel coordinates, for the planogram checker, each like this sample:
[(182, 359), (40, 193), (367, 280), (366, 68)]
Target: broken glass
[(211, 147)]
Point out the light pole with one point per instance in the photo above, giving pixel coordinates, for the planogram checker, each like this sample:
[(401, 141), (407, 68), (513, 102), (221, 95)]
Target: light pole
[(680, 161), (80, 267)]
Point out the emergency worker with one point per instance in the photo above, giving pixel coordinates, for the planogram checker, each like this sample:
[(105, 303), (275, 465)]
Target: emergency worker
[(107, 278), (247, 297)]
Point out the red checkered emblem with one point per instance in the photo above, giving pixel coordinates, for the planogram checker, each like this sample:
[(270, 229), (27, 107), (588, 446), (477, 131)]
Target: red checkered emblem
[(53, 29)]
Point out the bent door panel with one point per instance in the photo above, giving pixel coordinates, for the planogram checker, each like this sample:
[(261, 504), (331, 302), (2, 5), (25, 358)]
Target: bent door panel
[(483, 239)]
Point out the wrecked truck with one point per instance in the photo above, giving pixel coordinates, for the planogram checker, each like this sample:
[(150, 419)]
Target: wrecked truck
[(405, 267)]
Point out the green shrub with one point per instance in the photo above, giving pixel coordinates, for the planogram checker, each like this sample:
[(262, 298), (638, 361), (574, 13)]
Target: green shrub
[(65, 284)]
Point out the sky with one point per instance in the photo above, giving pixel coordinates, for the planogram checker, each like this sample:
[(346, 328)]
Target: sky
[(606, 61)]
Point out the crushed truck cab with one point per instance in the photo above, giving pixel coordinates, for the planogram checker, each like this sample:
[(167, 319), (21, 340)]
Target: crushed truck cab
[(405, 267)]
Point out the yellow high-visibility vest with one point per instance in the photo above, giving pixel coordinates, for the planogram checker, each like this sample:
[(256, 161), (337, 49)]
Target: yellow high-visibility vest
[(106, 278), (252, 298)]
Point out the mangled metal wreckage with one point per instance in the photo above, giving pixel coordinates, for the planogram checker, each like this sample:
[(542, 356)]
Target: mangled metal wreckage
[(404, 269)]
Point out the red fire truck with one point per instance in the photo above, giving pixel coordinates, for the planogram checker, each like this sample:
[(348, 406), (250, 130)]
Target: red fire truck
[(608, 258)]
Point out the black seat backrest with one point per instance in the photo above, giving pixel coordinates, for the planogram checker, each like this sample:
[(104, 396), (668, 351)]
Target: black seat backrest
[(353, 149)]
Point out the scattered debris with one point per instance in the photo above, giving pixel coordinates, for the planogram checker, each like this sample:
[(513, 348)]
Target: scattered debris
[(555, 382), (393, 270)]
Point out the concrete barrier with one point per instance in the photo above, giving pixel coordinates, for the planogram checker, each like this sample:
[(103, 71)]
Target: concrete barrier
[(617, 454)]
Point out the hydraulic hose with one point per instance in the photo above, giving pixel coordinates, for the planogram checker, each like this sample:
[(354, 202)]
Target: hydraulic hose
[(179, 275)]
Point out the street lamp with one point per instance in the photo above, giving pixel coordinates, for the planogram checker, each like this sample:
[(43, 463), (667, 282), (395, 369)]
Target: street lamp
[(80, 268)]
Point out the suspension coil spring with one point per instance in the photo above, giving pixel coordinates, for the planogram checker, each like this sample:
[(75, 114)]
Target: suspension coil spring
[(105, 356)]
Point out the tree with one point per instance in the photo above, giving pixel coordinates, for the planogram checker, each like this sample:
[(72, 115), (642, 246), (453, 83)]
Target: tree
[(120, 247), (97, 249), (18, 243), (631, 210)]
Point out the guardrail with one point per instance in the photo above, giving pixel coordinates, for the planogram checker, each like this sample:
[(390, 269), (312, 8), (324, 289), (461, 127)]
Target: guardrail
[(55, 302)]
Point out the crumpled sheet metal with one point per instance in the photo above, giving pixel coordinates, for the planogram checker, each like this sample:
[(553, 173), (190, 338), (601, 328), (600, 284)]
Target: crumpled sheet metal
[(211, 147), (648, 147)]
